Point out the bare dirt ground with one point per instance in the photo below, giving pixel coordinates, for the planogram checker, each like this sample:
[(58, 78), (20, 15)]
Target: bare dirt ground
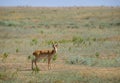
[(24, 65)]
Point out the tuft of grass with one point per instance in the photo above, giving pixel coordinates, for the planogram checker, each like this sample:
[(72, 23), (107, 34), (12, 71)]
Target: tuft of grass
[(49, 42), (35, 70), (55, 57), (41, 31), (77, 41), (9, 23), (34, 42), (69, 49), (14, 74), (97, 54), (64, 41), (3, 76), (4, 57), (94, 61), (30, 57), (17, 50), (94, 39)]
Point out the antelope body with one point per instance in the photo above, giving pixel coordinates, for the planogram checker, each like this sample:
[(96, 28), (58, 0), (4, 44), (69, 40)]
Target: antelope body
[(40, 54)]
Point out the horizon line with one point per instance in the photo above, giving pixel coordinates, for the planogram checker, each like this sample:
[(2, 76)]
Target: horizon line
[(60, 6)]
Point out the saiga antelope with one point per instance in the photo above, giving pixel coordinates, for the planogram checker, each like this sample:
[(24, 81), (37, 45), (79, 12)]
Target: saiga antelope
[(40, 54)]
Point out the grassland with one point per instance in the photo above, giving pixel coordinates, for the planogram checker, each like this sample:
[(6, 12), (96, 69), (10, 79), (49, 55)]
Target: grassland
[(88, 38)]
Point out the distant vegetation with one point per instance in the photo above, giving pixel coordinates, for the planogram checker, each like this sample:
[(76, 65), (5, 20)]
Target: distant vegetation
[(60, 17)]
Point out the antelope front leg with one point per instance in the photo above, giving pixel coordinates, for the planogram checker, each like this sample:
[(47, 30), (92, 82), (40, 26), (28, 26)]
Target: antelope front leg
[(36, 62), (49, 64), (32, 65)]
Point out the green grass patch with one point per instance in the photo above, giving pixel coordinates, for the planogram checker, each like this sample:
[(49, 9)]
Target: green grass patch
[(9, 23), (34, 42)]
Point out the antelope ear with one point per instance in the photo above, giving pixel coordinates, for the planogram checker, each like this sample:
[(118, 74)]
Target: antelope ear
[(56, 44), (53, 44)]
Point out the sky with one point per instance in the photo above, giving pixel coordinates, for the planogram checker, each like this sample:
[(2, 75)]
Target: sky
[(58, 3)]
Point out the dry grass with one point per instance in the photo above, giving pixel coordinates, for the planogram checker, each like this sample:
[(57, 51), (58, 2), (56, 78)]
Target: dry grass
[(90, 33), (21, 70)]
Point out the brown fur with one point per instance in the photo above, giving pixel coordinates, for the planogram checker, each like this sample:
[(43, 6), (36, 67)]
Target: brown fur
[(40, 54)]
